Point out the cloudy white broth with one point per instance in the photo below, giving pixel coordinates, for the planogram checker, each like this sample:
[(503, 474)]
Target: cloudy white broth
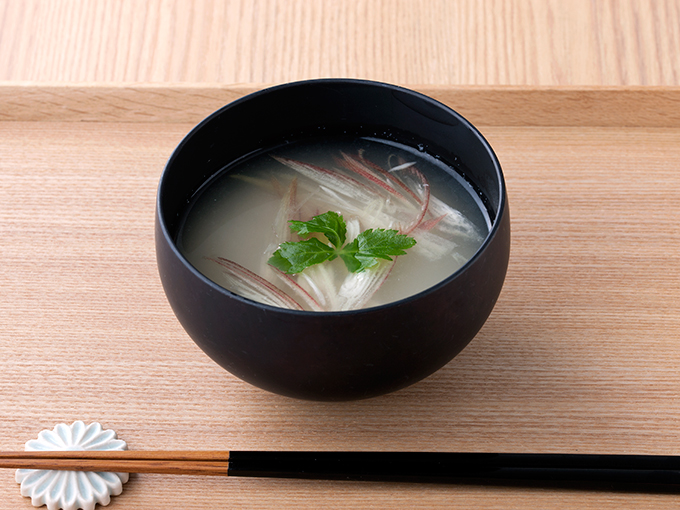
[(238, 221)]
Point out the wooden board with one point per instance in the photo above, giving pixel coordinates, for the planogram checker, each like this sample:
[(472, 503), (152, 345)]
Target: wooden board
[(483, 105), (579, 355)]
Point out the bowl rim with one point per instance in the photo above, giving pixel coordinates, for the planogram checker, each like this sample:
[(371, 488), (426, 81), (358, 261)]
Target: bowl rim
[(502, 202)]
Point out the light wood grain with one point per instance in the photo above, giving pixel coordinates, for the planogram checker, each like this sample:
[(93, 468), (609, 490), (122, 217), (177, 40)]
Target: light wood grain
[(466, 42), (490, 106), (580, 354)]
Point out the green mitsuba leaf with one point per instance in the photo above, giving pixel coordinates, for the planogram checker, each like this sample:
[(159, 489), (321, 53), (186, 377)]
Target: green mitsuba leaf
[(362, 253), (330, 224), (293, 258), (348, 256), (371, 245)]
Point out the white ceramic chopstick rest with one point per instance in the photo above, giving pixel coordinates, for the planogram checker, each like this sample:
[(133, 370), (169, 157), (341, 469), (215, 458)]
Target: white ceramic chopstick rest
[(72, 490)]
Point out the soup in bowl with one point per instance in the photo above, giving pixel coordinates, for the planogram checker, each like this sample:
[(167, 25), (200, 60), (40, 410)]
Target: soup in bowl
[(332, 239)]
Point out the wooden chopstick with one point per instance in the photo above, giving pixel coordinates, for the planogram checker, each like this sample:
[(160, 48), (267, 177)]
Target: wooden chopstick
[(214, 463), (160, 455), (380, 466)]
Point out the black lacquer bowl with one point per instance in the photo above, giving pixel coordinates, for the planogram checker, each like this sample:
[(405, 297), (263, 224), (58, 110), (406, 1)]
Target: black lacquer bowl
[(332, 355)]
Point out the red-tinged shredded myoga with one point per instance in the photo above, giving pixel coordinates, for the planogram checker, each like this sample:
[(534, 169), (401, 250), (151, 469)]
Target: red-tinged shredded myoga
[(368, 197)]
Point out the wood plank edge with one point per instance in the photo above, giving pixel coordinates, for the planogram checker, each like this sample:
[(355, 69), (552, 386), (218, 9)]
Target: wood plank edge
[(482, 105)]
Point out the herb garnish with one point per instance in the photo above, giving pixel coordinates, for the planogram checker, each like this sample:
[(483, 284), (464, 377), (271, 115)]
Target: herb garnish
[(360, 254)]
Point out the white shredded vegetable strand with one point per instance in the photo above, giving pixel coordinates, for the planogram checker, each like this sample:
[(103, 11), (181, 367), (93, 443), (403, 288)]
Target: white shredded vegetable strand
[(359, 288), (245, 283)]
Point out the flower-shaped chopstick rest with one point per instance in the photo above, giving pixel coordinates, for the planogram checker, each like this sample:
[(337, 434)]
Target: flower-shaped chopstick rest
[(72, 490)]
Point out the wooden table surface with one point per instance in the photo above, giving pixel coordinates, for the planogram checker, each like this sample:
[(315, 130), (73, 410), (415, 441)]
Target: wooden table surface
[(462, 42), (580, 100)]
